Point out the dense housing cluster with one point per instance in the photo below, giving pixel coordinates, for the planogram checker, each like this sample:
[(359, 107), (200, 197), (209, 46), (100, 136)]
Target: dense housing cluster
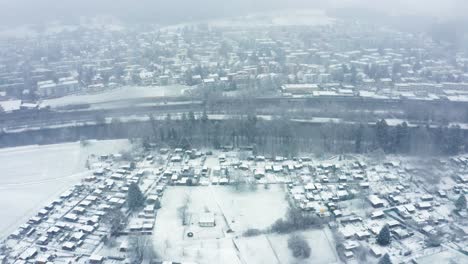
[(335, 59), (112, 215)]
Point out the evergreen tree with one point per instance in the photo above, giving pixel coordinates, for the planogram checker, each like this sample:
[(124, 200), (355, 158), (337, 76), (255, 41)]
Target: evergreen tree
[(358, 139), (401, 141), (353, 75), (384, 236), (382, 135), (191, 117), (204, 116), (460, 203), (385, 259), (135, 197), (454, 140)]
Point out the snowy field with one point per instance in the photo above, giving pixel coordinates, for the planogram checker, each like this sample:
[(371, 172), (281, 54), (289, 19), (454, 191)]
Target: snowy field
[(447, 256), (273, 248), (115, 95), (33, 176), (233, 210)]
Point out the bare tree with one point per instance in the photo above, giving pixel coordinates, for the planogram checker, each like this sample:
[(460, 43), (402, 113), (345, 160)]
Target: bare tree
[(116, 221), (183, 210), (141, 248)]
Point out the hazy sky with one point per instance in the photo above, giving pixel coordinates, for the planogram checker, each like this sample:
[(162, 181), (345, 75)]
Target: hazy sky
[(14, 12)]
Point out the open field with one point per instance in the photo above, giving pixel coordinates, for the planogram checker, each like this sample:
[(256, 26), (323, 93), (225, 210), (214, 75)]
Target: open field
[(447, 256), (273, 248), (32, 176), (234, 210), (118, 94)]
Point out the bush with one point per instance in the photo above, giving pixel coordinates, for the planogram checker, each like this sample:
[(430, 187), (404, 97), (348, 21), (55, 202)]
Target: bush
[(299, 246), (460, 203), (295, 220), (434, 240), (116, 221), (252, 232), (385, 259), (361, 254)]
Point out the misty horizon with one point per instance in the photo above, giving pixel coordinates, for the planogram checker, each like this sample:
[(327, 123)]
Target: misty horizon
[(17, 13)]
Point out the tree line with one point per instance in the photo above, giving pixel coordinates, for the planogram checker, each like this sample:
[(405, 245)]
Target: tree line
[(280, 136), (283, 136)]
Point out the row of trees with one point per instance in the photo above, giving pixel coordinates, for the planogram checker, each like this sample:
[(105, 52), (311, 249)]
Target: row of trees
[(423, 139), (281, 136)]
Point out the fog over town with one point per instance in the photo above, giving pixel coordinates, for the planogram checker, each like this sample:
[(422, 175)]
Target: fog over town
[(237, 132)]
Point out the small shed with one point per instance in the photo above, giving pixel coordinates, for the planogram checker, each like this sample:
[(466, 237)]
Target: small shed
[(207, 220)]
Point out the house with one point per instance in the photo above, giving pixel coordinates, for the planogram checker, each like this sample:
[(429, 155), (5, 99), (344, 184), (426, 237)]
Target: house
[(427, 197), (361, 235), (96, 259), (442, 194), (401, 233), (123, 246), (410, 208), (423, 205), (375, 251), (377, 214), (375, 201), (364, 185), (309, 187), (69, 246), (28, 254), (224, 181), (176, 158), (207, 220), (342, 194), (259, 173), (77, 236), (43, 240), (277, 168), (43, 259)]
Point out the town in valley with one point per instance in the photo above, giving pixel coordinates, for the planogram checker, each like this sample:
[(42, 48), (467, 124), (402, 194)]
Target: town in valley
[(334, 135)]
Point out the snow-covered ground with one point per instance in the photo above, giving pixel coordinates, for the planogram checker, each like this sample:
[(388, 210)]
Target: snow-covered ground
[(115, 95), (446, 256), (273, 248), (234, 210), (33, 176)]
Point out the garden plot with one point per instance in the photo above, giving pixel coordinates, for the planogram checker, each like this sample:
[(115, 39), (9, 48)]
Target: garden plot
[(233, 210), (33, 176)]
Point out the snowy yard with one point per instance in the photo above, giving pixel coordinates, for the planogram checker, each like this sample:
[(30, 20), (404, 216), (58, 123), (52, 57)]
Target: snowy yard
[(447, 256), (234, 210), (33, 176), (273, 248)]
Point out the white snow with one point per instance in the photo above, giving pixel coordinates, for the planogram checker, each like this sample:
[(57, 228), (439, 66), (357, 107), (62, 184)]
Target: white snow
[(118, 94), (33, 176), (236, 210)]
